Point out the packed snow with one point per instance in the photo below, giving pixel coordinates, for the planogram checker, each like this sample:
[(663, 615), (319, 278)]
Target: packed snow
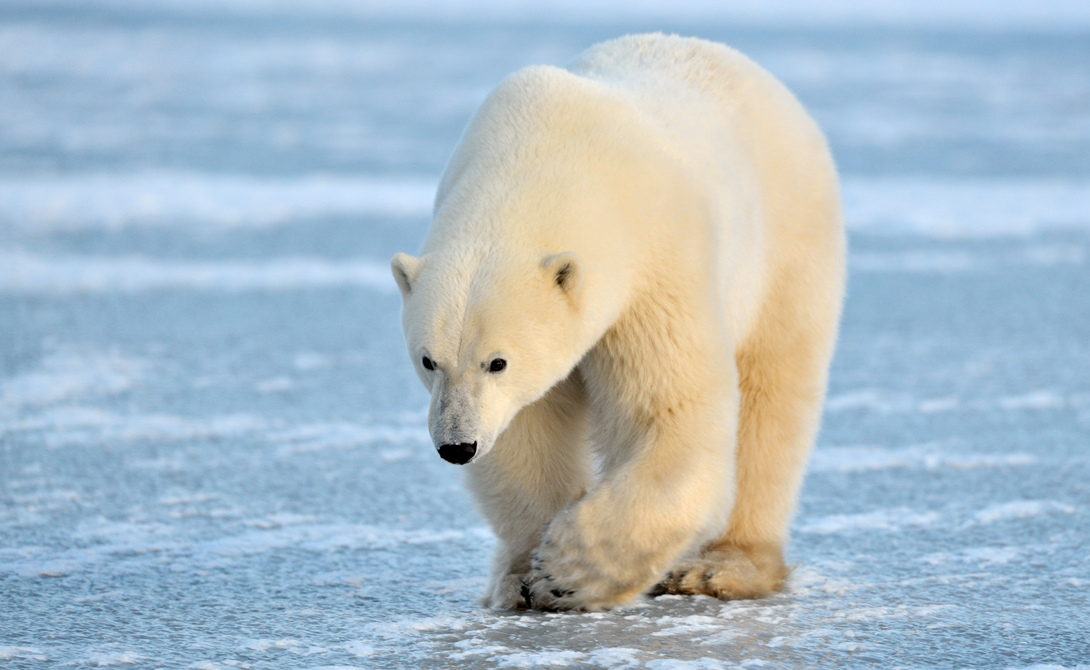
[(213, 450)]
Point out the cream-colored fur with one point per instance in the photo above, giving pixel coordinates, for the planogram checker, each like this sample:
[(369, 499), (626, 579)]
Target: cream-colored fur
[(651, 240)]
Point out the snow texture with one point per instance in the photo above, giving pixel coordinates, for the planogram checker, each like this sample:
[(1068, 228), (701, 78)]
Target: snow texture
[(213, 450)]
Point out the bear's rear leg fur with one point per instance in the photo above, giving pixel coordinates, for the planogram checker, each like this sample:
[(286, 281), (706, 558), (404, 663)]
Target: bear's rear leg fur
[(728, 572), (782, 375)]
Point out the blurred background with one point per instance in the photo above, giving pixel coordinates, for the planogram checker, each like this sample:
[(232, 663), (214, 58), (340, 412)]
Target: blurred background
[(212, 444)]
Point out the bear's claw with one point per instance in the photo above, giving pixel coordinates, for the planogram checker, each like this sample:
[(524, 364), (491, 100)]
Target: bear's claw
[(527, 596)]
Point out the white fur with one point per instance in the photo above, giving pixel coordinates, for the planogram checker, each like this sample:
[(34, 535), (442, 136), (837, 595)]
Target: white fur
[(652, 240)]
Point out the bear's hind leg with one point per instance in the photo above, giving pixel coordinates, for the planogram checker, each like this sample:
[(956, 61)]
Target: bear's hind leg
[(729, 572), (539, 465), (783, 369)]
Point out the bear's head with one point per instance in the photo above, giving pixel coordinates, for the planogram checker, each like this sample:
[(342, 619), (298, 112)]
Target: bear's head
[(489, 333)]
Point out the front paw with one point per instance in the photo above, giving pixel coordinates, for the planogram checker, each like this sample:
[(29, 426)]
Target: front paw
[(569, 572), (545, 591), (509, 592)]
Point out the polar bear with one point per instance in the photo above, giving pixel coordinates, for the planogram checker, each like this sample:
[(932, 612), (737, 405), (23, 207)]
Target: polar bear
[(625, 312)]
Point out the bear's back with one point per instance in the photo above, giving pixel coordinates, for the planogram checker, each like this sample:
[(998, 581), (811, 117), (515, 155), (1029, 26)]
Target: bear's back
[(761, 158), (633, 58)]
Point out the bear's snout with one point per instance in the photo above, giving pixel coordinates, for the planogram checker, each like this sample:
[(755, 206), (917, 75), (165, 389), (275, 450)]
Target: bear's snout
[(459, 454)]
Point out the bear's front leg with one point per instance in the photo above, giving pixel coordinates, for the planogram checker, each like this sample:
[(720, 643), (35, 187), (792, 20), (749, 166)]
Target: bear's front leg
[(663, 402), (539, 465), (669, 496)]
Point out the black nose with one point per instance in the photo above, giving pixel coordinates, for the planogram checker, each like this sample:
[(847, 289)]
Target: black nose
[(458, 454)]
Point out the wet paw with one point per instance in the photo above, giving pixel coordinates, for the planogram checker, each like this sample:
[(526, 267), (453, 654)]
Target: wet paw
[(506, 593), (564, 574), (727, 572), (530, 601), (545, 592)]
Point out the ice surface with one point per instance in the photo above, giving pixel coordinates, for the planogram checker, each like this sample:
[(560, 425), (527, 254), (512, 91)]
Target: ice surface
[(109, 200), (24, 273), (1054, 14), (946, 208), (213, 450)]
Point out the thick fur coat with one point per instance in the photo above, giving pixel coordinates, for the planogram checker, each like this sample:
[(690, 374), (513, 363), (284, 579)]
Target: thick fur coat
[(625, 313)]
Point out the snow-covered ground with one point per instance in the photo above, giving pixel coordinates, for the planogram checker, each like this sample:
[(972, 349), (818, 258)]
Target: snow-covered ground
[(212, 446)]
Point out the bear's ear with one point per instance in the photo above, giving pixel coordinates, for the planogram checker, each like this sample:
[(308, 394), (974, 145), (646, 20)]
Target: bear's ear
[(405, 268), (565, 271)]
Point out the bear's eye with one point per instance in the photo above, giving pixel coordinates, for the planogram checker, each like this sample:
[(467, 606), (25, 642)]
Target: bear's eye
[(427, 363), (497, 365)]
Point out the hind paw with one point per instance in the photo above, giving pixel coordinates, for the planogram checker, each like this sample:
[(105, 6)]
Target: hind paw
[(727, 572)]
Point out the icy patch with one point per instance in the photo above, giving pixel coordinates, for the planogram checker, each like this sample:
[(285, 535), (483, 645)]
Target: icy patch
[(991, 555), (188, 498), (868, 399), (274, 385), (962, 209), (359, 649), (1055, 254), (1021, 509), (275, 645), (307, 361), (45, 204), (934, 405), (975, 461), (687, 625), (538, 659), (891, 519), (806, 579), (98, 542), (14, 653), (399, 630), (474, 648), (915, 261), (100, 597), (68, 375), (50, 500), (23, 273), (929, 457), (699, 664), (938, 207), (116, 544), (66, 426), (885, 613), (883, 402), (309, 438), (122, 536), (1038, 400), (327, 537), (616, 658), (282, 519), (76, 425), (949, 262), (111, 658)]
